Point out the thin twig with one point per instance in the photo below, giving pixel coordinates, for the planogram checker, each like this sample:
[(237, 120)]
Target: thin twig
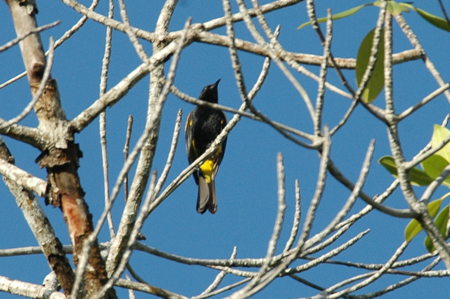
[(297, 217), (241, 112), (278, 224), (134, 274), (219, 278), (310, 216), (416, 44), (147, 288), (444, 11), (378, 199), (224, 289), (59, 42), (350, 201), (311, 250), (43, 84), (102, 120), (374, 277), (423, 155), (121, 89), (126, 151), (20, 38), (315, 24), (131, 35), (173, 146), (433, 95), (371, 64), (328, 255), (401, 283), (282, 266), (337, 174), (388, 86), (239, 77), (429, 191), (273, 55), (323, 76)]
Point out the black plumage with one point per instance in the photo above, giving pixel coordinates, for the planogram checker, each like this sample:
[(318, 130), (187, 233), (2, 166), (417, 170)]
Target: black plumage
[(203, 125)]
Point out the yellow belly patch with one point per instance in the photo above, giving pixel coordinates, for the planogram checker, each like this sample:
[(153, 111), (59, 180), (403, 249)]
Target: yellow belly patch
[(207, 169)]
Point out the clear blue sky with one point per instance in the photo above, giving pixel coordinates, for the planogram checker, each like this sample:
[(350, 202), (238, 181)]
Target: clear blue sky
[(247, 181)]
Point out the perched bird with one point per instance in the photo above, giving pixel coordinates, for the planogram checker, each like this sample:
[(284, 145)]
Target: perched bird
[(202, 127)]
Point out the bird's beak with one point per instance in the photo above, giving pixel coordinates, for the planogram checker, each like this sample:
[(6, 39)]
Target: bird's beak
[(217, 83)]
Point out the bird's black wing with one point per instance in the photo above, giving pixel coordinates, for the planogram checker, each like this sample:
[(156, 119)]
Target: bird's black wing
[(223, 145), (190, 142)]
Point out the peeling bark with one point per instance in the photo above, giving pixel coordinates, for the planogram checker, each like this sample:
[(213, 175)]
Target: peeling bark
[(41, 227)]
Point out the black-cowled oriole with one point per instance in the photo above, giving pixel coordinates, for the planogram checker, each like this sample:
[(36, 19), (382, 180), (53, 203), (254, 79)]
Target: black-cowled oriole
[(202, 127)]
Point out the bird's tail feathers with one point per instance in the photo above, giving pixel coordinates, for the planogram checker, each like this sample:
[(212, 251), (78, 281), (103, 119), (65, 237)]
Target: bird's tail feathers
[(212, 202), (206, 196)]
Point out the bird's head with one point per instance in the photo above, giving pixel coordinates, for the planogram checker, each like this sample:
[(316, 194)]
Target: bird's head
[(209, 93)]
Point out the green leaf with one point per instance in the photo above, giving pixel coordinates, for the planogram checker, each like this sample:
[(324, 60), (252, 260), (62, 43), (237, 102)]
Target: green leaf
[(441, 223), (430, 18), (414, 227), (376, 82), (393, 7), (337, 16), (434, 20), (439, 135), (434, 165), (418, 177)]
